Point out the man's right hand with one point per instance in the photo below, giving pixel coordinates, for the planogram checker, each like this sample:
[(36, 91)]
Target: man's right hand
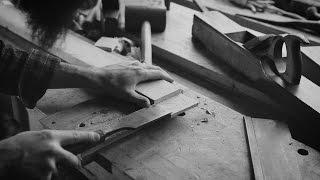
[(37, 152)]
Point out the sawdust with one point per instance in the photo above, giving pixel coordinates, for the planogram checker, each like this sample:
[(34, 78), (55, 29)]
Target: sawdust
[(205, 120)]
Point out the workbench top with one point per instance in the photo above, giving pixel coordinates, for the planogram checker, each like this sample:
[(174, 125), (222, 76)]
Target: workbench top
[(207, 142)]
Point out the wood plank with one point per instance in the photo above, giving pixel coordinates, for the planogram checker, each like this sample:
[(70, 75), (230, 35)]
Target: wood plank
[(158, 91), (100, 173), (186, 148), (254, 149), (34, 116), (88, 113), (271, 157), (172, 107), (310, 69), (74, 49), (229, 51), (91, 114)]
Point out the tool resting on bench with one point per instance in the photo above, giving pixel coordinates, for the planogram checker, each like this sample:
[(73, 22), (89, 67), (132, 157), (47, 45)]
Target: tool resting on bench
[(139, 11), (261, 60)]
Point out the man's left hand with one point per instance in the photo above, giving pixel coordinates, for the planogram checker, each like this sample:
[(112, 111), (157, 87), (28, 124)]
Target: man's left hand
[(120, 80)]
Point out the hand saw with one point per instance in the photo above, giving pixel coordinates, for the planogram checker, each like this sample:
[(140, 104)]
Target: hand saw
[(258, 59)]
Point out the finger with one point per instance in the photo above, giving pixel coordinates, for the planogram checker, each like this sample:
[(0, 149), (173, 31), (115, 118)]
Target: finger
[(52, 165), (67, 157), (73, 137), (153, 67), (155, 75), (47, 166), (138, 99), (135, 63), (49, 176), (46, 176)]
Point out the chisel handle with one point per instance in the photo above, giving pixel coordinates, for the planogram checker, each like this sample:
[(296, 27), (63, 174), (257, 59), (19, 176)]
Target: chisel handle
[(146, 45)]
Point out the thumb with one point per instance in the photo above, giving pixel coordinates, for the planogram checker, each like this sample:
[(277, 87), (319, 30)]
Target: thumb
[(139, 99)]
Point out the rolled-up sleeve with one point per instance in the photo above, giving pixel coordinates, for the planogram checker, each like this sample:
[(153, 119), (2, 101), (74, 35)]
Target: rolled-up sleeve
[(25, 74)]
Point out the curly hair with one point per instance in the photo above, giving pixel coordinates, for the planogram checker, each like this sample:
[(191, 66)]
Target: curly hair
[(50, 19)]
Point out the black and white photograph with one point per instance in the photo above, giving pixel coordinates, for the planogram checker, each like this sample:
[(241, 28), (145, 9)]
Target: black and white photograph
[(159, 89)]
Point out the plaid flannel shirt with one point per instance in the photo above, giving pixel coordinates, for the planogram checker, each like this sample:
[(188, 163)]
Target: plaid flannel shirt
[(25, 74)]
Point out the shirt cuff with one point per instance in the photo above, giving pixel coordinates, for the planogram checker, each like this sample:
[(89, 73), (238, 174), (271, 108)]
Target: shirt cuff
[(36, 77)]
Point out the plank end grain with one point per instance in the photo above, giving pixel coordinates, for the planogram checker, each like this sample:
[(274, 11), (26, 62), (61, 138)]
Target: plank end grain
[(269, 148), (158, 91), (253, 148)]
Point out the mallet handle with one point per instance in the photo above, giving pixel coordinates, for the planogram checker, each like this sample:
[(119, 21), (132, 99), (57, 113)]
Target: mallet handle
[(146, 45)]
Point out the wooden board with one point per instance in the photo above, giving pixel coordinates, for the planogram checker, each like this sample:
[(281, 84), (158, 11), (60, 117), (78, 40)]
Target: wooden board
[(83, 116), (209, 29), (198, 145), (206, 143), (55, 100), (88, 113), (91, 114), (270, 154), (310, 69), (158, 91)]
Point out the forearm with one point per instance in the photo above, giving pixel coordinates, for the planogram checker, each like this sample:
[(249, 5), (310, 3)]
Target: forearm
[(73, 76), (9, 154)]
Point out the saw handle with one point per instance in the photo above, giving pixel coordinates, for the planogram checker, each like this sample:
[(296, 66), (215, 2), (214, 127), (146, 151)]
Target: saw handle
[(270, 46), (293, 60)]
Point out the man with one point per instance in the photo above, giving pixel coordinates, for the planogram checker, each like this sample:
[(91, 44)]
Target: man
[(29, 74)]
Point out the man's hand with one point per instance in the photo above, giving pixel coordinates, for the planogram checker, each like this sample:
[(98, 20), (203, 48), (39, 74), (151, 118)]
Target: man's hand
[(37, 152), (117, 80), (120, 80)]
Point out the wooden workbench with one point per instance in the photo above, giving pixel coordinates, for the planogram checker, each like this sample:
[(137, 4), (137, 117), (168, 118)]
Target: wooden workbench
[(206, 143)]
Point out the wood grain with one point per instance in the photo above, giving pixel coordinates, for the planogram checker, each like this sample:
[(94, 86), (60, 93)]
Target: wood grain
[(212, 33), (311, 67), (271, 157), (158, 91), (185, 147), (88, 113), (93, 111), (254, 149), (182, 147)]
